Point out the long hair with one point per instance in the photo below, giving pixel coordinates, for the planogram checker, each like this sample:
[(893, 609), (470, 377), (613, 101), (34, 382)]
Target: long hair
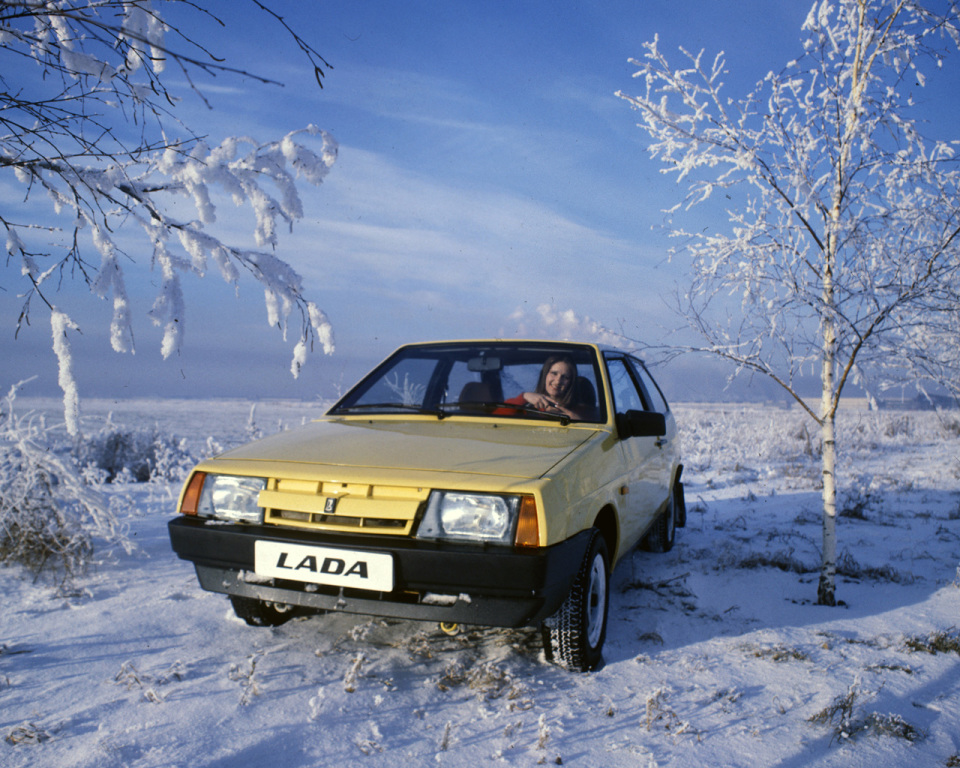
[(567, 396)]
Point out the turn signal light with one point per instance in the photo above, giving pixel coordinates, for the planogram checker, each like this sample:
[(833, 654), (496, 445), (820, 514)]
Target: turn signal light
[(528, 524), (191, 496)]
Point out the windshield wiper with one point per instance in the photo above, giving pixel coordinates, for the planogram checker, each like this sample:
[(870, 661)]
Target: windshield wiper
[(393, 406)]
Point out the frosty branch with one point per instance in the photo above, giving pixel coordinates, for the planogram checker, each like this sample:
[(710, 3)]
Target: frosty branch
[(89, 129), (840, 249)]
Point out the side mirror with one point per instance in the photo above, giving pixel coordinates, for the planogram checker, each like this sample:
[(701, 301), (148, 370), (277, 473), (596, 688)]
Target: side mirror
[(641, 424)]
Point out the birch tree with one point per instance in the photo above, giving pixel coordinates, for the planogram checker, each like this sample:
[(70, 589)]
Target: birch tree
[(834, 231), (110, 175)]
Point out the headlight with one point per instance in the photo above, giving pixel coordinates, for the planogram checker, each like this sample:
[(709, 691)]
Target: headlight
[(470, 517), (230, 497)]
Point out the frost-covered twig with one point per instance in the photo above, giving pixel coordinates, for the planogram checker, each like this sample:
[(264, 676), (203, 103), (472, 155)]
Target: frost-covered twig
[(350, 678), (247, 678)]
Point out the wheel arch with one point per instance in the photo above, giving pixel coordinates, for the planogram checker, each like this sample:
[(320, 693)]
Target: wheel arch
[(677, 474), (609, 526), (677, 488)]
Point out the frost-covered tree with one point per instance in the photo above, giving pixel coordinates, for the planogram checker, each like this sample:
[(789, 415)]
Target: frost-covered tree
[(109, 174), (840, 247)]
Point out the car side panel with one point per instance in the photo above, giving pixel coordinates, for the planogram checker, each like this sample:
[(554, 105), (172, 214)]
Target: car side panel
[(582, 485), (643, 484)]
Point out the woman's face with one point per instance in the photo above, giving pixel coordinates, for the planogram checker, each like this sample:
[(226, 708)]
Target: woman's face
[(559, 378)]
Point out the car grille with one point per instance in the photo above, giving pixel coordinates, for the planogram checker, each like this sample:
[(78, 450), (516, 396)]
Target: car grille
[(344, 507)]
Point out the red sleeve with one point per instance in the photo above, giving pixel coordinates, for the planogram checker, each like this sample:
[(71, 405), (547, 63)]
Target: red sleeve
[(518, 400)]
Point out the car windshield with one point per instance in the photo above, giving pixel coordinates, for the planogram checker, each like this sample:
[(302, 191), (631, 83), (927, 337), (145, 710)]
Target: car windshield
[(483, 380)]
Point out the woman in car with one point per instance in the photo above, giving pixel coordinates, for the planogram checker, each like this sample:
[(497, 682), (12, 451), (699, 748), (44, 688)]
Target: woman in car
[(555, 389)]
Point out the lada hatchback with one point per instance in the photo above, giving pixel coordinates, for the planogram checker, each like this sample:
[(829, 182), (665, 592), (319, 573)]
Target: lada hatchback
[(467, 482)]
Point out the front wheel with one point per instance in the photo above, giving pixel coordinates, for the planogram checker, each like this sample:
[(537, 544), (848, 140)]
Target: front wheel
[(573, 637)]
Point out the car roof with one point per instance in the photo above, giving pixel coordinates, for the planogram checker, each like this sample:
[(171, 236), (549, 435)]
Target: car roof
[(599, 347)]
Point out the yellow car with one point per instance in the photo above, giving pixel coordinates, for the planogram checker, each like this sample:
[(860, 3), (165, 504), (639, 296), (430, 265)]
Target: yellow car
[(465, 482)]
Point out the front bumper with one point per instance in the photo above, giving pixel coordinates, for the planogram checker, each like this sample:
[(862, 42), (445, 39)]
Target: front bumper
[(480, 585)]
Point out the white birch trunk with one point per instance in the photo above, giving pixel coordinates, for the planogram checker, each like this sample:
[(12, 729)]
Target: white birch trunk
[(826, 589)]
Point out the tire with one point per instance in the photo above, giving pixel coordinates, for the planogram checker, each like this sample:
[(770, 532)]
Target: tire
[(573, 637), (664, 531), (258, 613)]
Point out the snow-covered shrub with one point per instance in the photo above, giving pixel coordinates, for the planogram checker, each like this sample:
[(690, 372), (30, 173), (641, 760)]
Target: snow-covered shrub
[(253, 429), (899, 426), (27, 733), (784, 560), (488, 680), (778, 653), (135, 455), (940, 641), (247, 677), (847, 565), (949, 425), (49, 516), (659, 712), (171, 458), (846, 726), (859, 499), (212, 447)]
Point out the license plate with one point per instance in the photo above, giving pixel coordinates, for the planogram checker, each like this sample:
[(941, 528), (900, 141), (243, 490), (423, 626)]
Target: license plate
[(324, 565)]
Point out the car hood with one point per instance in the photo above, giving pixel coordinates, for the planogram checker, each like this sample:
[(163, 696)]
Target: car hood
[(473, 447)]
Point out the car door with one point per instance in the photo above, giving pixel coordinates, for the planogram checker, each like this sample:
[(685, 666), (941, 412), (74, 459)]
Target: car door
[(641, 457), (669, 444)]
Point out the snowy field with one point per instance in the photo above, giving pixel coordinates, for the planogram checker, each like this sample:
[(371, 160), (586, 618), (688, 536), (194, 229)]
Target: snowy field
[(716, 653)]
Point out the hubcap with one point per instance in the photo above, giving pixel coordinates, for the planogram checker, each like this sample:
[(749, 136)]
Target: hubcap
[(596, 600)]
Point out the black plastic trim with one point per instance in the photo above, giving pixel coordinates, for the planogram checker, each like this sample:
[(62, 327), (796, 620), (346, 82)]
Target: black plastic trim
[(494, 585)]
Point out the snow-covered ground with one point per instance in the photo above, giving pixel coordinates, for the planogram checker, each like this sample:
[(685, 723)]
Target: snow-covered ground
[(716, 653)]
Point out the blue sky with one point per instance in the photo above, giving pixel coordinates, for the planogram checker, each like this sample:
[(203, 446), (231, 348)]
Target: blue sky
[(486, 169)]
